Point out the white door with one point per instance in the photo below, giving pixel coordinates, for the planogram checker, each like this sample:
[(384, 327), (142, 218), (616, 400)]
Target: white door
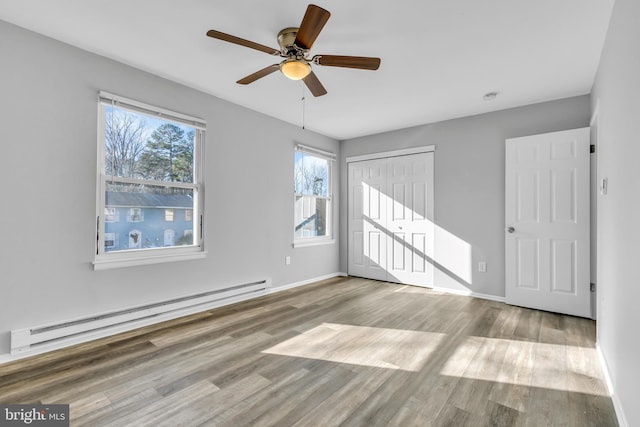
[(367, 216), (391, 232), (547, 222), (409, 219), (135, 239), (169, 237)]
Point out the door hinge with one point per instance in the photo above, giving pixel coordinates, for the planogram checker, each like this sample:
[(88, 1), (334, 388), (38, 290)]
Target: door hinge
[(592, 148), (592, 288)]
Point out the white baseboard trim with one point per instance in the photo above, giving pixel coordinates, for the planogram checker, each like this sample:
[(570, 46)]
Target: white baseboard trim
[(275, 289), (617, 405), (469, 294), (80, 339), (7, 357)]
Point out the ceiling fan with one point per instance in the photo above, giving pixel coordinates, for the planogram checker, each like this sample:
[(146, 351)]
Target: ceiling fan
[(295, 44)]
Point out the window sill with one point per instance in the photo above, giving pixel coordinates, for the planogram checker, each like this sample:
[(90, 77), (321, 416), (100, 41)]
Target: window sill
[(108, 263), (303, 244)]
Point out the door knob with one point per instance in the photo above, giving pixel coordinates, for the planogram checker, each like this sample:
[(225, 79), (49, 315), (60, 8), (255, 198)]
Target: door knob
[(510, 229)]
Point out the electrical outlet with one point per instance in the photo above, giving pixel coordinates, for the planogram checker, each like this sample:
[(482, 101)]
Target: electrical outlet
[(604, 186), (287, 260), (482, 267)]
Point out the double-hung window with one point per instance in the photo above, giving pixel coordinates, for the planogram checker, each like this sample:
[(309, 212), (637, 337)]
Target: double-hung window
[(313, 195), (149, 166)]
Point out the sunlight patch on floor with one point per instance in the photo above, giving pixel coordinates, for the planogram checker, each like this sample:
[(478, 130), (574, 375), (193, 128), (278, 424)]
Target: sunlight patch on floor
[(523, 363), (362, 345)]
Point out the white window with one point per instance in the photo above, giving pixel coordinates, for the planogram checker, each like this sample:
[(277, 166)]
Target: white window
[(313, 193), (111, 215), (135, 215), (188, 215), (110, 240), (150, 164)]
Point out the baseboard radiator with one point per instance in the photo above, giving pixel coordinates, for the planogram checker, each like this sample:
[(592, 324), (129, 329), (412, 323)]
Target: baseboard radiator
[(51, 336)]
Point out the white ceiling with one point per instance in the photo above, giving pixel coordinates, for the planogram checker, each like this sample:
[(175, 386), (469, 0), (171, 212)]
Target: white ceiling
[(438, 56)]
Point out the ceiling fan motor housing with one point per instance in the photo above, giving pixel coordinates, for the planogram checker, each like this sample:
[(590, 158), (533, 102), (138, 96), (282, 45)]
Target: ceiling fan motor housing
[(286, 38)]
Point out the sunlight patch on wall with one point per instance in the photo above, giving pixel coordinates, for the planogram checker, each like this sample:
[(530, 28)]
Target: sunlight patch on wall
[(453, 254), (362, 345)]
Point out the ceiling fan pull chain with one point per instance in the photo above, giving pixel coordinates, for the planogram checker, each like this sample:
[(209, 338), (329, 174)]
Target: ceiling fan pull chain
[(303, 99)]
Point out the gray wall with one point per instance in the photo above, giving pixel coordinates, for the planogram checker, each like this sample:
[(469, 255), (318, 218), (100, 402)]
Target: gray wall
[(47, 215), (616, 94), (469, 182)]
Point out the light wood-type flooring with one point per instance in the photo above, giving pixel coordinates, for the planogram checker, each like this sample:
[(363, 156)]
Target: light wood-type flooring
[(345, 351)]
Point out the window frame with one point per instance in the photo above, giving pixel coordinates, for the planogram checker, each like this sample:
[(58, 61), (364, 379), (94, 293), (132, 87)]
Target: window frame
[(328, 238), (144, 256)]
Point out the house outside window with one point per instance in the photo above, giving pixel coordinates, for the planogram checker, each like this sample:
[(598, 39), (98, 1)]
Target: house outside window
[(313, 192), (152, 209), (149, 169)]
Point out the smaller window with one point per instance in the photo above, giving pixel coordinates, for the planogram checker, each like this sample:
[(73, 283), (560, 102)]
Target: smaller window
[(188, 215), (135, 215), (111, 215), (313, 190), (168, 216)]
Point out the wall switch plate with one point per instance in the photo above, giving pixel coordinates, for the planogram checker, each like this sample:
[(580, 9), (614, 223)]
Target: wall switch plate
[(482, 267), (287, 260)]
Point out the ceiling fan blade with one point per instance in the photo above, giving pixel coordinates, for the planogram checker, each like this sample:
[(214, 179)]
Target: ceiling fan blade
[(314, 85), (314, 19), (360, 62), (242, 42), (259, 74)]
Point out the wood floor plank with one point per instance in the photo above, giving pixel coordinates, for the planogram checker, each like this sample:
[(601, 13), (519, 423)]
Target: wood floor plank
[(206, 407), (128, 404), (343, 351)]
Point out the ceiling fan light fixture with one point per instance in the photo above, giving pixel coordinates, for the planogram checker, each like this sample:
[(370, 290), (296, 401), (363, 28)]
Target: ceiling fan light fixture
[(295, 69)]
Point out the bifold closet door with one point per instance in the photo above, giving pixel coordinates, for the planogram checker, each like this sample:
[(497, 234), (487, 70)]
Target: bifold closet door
[(367, 216), (391, 232)]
